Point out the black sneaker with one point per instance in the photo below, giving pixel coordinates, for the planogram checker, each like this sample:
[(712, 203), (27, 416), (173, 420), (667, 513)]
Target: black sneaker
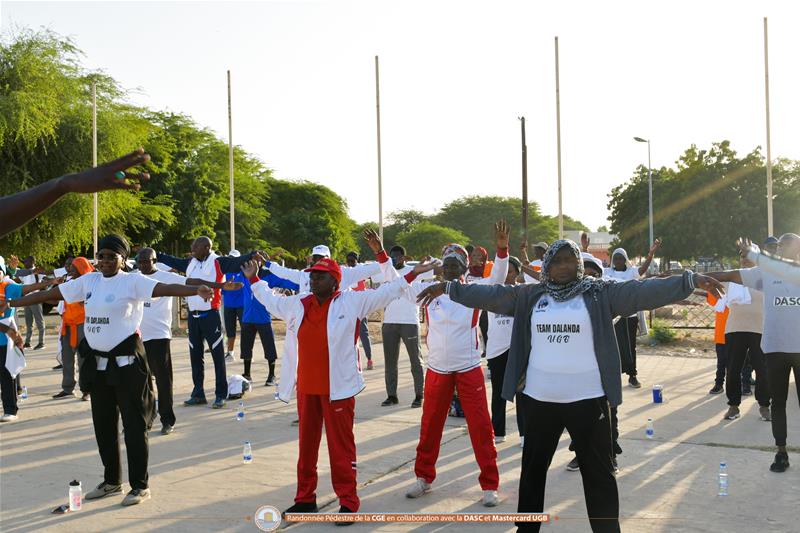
[(344, 509), (166, 429), (63, 394), (573, 465), (270, 381), (633, 382), (391, 400), (302, 507), (38, 346), (85, 397), (195, 401), (247, 377), (58, 367), (417, 402), (27, 345), (717, 389), (781, 462)]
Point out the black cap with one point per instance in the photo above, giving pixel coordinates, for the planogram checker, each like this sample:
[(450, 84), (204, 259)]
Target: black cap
[(74, 483)]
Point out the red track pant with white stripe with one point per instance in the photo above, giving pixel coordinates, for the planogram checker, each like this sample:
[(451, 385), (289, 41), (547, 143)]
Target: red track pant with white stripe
[(337, 415), (438, 395)]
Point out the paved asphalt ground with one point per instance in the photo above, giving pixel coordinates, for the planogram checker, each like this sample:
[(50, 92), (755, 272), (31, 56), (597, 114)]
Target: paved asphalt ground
[(199, 483)]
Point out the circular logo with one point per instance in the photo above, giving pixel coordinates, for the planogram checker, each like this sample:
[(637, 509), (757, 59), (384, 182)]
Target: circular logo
[(267, 518), (110, 298)]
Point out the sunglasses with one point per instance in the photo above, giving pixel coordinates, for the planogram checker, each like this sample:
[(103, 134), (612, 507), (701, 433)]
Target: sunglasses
[(107, 257)]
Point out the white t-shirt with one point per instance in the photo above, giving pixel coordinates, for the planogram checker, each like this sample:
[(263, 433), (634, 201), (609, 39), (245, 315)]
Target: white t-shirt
[(113, 307), (499, 333), (157, 316), (628, 274), (403, 310), (562, 367), (30, 279)]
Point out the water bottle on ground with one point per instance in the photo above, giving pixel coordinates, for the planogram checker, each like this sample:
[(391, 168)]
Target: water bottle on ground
[(75, 495), (240, 412), (24, 392), (247, 453), (723, 479), (649, 431)]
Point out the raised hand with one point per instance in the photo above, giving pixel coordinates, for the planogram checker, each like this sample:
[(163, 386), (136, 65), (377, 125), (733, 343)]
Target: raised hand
[(373, 240), (709, 284), (501, 232), (430, 293), (250, 269), (105, 177), (656, 245), (13, 261), (204, 292), (523, 252), (745, 246)]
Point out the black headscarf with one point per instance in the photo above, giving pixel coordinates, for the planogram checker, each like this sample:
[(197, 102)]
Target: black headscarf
[(563, 292), (115, 243)]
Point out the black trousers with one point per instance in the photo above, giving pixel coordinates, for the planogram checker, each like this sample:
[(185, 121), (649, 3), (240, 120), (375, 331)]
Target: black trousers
[(778, 367), (159, 358), (206, 327), (589, 425), (626, 330), (497, 368), (264, 332), (8, 385), (739, 345), (129, 398)]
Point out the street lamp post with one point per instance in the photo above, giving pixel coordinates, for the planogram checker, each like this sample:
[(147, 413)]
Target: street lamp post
[(649, 185)]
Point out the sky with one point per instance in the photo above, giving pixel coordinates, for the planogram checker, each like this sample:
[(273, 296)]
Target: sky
[(454, 78)]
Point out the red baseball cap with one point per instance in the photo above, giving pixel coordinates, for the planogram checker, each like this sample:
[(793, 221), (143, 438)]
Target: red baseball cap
[(327, 264)]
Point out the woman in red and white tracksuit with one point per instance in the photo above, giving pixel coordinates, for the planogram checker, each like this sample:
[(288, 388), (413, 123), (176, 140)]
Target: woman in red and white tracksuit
[(321, 357), (454, 362)]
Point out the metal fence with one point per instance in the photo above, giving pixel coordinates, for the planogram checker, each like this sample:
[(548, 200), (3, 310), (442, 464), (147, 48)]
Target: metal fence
[(692, 313)]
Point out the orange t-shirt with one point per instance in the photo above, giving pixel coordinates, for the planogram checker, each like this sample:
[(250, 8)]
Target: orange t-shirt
[(312, 348), (720, 320)]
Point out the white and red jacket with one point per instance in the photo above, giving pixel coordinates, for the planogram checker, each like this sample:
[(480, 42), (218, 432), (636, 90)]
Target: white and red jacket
[(350, 275), (453, 342), (345, 313)]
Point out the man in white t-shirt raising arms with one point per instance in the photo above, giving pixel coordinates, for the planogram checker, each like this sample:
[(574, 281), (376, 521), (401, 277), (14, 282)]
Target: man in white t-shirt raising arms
[(156, 330), (627, 328), (34, 312)]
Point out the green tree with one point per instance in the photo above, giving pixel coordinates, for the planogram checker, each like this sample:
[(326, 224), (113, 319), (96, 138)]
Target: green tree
[(304, 214), (427, 238), (45, 131)]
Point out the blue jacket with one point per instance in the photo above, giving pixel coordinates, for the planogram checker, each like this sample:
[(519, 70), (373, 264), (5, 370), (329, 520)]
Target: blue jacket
[(232, 299), (254, 311)]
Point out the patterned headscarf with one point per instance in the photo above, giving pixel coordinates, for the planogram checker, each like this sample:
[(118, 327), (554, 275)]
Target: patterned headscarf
[(563, 292), (457, 251)]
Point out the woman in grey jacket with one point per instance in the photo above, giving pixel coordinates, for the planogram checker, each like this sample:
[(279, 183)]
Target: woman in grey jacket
[(565, 361)]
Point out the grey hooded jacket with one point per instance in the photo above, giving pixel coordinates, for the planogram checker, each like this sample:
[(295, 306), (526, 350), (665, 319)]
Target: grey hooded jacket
[(603, 304)]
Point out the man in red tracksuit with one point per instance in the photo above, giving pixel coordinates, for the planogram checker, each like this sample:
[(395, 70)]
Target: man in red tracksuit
[(321, 357)]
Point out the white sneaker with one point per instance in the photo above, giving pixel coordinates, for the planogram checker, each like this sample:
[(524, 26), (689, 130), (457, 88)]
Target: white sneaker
[(490, 498), (419, 488), (229, 357), (499, 439), (8, 418), (522, 442)]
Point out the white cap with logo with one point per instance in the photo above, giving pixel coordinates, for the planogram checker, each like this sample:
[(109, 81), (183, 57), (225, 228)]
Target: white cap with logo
[(322, 250)]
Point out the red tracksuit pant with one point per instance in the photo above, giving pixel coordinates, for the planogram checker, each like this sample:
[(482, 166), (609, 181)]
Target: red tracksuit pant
[(337, 415), (438, 395)]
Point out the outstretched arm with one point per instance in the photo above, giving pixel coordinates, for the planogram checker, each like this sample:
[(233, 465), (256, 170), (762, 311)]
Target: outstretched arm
[(639, 295), (18, 209), (650, 254), (500, 299), (53, 294), (176, 263), (734, 276), (175, 289)]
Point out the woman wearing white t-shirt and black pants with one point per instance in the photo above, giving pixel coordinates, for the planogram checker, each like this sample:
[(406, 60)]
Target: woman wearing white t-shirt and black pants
[(114, 367), (627, 328), (497, 346), (565, 361)]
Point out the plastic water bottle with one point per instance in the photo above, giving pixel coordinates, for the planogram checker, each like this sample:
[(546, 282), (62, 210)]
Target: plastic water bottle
[(240, 412), (24, 392), (723, 479), (75, 495), (649, 431), (247, 453)]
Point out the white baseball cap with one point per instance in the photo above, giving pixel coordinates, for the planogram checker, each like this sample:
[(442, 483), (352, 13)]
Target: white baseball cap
[(234, 253), (322, 250)]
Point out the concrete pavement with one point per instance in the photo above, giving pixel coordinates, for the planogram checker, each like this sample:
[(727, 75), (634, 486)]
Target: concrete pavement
[(200, 484)]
